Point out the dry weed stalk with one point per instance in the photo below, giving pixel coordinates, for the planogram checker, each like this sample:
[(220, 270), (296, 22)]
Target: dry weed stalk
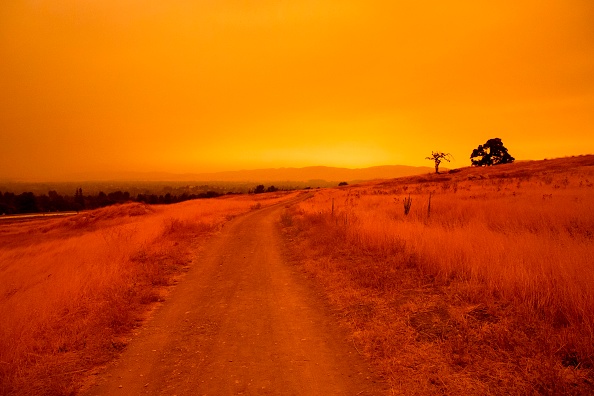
[(407, 205)]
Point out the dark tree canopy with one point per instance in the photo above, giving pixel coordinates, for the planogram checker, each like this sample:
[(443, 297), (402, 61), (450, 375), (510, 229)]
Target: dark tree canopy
[(491, 153), (28, 202), (79, 199)]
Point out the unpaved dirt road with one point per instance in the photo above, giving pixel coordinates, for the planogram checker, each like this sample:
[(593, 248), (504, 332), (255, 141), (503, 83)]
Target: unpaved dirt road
[(241, 322)]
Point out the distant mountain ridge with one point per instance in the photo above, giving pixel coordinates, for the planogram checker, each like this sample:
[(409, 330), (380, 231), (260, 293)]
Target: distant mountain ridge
[(326, 173)]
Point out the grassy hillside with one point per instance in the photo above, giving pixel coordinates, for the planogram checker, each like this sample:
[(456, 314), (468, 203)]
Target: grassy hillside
[(484, 287), (73, 288)]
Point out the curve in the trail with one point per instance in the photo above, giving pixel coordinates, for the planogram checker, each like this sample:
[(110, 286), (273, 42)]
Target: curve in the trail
[(241, 322)]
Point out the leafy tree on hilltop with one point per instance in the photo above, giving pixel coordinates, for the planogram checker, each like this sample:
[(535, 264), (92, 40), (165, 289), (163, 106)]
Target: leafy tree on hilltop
[(491, 153), (437, 157)]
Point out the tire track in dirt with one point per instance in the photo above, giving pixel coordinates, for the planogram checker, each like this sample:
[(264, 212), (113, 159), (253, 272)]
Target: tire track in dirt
[(241, 322)]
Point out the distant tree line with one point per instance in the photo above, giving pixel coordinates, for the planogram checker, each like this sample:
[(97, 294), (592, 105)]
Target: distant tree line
[(28, 202), (262, 189)]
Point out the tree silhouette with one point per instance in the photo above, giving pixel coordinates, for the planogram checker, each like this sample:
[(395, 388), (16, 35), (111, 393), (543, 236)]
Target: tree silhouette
[(26, 203), (437, 157), (491, 153), (79, 199)]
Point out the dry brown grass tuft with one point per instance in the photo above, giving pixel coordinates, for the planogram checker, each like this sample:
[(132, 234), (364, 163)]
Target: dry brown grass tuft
[(488, 291), (72, 289)]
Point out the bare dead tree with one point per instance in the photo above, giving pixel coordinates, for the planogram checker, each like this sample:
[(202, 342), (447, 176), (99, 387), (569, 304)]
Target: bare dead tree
[(437, 157)]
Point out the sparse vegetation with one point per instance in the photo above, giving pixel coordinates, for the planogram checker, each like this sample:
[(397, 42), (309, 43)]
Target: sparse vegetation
[(487, 291)]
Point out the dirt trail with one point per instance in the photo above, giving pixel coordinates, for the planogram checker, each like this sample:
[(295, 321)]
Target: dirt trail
[(241, 322)]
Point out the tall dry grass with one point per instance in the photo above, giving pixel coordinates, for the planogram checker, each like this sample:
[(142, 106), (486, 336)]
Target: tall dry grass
[(71, 289), (507, 251)]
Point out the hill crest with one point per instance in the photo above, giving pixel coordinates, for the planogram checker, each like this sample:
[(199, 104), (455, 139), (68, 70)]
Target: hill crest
[(324, 173)]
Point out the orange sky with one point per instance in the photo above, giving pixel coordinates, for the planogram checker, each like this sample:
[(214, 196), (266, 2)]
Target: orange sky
[(199, 86)]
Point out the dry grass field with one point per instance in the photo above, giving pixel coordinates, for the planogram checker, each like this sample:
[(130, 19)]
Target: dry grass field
[(73, 288), (485, 287)]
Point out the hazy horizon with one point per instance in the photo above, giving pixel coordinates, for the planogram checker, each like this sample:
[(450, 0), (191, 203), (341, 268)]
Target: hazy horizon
[(195, 87), (237, 175)]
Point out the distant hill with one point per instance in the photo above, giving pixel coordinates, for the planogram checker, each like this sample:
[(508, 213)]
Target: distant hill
[(310, 173), (518, 169)]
